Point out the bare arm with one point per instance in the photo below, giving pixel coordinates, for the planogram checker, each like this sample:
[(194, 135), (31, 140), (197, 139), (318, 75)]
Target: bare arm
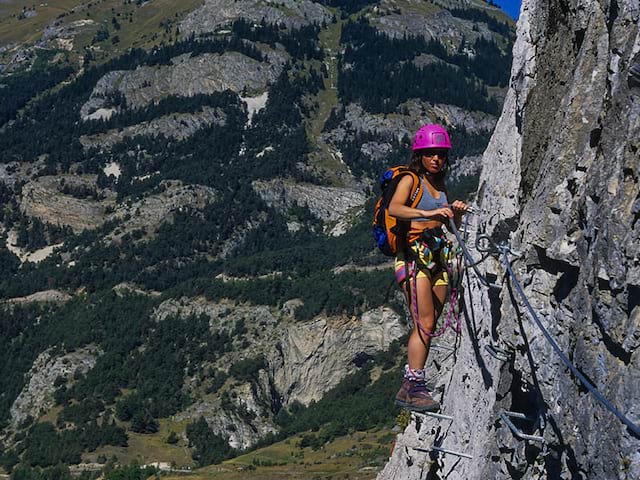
[(399, 209)]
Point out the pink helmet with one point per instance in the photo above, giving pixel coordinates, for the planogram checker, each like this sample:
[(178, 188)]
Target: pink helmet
[(431, 136)]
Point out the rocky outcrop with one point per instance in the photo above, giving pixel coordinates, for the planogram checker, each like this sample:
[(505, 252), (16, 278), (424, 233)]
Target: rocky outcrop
[(37, 396), (215, 14), (560, 182), (412, 114), (43, 198), (465, 167), (429, 20), (304, 359), (150, 212), (35, 256), (312, 357), (178, 126), (329, 204), (186, 76), (52, 296)]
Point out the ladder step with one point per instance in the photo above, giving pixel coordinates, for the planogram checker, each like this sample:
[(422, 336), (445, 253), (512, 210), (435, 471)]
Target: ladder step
[(498, 353), (442, 450), (435, 415), (505, 416)]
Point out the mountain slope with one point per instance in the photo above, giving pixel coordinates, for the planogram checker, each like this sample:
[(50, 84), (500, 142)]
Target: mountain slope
[(196, 215)]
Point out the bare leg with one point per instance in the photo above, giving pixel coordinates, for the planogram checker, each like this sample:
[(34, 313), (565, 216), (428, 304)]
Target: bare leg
[(413, 394), (430, 304), (418, 347)]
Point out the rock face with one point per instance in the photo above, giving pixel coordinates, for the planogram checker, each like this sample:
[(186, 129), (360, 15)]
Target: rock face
[(177, 126), (303, 359), (310, 358), (217, 13), (44, 199), (186, 76), (37, 395), (560, 182), (53, 296), (416, 113), (430, 21), (150, 212), (330, 204)]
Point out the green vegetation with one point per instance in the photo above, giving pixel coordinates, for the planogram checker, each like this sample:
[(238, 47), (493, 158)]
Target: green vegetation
[(354, 404), (301, 43), (18, 89), (147, 369), (477, 15), (377, 71), (349, 6), (166, 106), (208, 448), (44, 446), (33, 233)]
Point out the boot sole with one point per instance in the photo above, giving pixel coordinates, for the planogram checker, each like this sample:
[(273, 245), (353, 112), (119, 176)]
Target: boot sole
[(432, 408)]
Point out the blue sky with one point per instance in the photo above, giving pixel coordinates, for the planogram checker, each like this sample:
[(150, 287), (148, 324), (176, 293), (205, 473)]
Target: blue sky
[(512, 7)]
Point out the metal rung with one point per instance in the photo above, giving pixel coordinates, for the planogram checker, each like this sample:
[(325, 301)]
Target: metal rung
[(435, 415), (442, 450), (437, 346), (498, 353), (516, 431)]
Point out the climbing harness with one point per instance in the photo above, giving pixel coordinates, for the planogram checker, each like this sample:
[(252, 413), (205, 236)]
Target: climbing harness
[(437, 252)]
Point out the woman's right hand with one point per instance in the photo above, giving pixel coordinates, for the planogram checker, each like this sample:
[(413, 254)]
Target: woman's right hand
[(441, 212)]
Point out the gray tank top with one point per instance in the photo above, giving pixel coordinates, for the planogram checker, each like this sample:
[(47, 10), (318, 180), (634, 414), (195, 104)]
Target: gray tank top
[(427, 202)]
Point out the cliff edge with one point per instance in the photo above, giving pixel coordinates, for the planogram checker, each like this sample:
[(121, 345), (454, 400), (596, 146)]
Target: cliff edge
[(560, 185)]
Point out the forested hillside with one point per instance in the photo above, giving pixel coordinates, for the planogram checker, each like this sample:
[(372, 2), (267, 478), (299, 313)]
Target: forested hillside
[(185, 205)]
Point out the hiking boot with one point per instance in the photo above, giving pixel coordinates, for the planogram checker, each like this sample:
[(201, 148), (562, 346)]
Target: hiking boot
[(413, 395)]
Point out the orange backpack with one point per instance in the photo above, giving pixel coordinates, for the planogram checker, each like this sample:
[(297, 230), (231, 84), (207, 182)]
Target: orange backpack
[(390, 233)]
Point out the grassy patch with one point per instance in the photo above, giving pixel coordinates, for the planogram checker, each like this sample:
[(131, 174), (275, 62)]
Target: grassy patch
[(145, 449), (140, 26), (323, 156), (422, 8), (359, 455)]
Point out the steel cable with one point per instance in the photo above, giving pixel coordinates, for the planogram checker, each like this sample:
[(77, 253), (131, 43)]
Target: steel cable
[(504, 250), (632, 426), (469, 259)]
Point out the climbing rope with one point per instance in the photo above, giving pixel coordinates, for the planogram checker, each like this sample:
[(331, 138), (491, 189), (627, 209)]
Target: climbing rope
[(504, 250)]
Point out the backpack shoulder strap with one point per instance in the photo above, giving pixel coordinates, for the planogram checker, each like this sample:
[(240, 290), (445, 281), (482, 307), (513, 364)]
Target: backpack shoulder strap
[(416, 190)]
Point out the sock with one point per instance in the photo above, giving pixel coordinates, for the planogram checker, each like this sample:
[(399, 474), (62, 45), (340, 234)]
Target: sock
[(416, 375)]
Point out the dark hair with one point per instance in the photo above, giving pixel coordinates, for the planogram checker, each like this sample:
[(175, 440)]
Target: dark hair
[(416, 165)]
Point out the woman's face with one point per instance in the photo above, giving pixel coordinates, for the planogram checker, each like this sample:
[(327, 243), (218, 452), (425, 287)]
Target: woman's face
[(434, 159)]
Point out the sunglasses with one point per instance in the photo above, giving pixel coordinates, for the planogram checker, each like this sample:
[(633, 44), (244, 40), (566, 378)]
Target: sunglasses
[(444, 154)]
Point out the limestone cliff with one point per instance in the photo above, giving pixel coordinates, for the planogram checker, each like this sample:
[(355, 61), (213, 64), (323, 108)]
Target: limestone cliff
[(215, 14), (186, 76), (560, 182), (48, 369), (303, 360)]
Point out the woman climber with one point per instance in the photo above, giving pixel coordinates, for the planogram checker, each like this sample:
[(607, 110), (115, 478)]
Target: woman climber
[(421, 270)]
